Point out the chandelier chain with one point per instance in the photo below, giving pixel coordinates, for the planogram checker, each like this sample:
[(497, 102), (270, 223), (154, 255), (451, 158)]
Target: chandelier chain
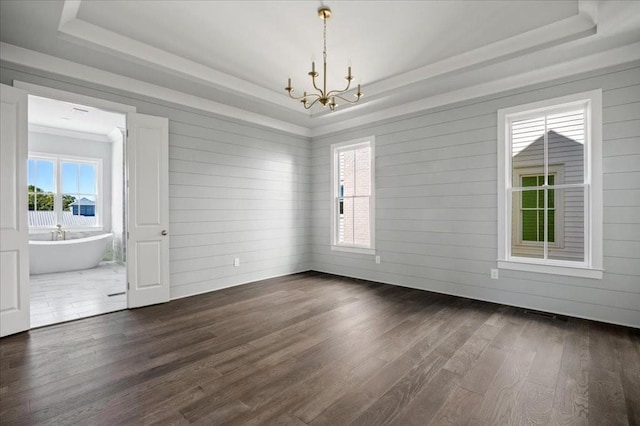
[(324, 36)]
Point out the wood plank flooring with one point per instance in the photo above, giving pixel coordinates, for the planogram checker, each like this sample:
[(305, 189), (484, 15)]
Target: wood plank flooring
[(317, 349)]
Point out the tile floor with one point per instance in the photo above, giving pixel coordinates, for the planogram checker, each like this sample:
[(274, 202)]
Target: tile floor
[(65, 296)]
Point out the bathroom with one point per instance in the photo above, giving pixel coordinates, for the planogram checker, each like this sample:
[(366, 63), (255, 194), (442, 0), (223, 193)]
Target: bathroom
[(76, 214)]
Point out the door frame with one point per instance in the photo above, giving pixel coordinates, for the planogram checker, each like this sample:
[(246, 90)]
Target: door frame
[(62, 95)]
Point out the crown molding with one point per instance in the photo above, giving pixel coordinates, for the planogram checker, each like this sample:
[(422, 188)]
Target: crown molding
[(73, 29), (62, 95), (53, 64), (612, 57), (70, 10), (572, 28), (37, 128), (32, 59), (589, 8)]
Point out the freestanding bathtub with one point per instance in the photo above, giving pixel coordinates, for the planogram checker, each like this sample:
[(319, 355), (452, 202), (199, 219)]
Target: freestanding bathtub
[(67, 255)]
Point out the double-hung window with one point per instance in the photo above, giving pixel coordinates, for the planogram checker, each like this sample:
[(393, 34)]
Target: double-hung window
[(64, 191), (550, 186), (352, 189)]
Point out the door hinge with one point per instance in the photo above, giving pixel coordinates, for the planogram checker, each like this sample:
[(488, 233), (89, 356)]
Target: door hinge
[(128, 285), (127, 132), (127, 235)]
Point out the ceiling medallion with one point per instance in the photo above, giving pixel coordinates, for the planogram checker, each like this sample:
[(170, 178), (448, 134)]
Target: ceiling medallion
[(326, 98)]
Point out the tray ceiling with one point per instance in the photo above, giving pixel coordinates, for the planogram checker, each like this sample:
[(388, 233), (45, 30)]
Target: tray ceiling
[(240, 53)]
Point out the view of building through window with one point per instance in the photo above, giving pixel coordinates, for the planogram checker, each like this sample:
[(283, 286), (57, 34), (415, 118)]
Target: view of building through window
[(548, 191)]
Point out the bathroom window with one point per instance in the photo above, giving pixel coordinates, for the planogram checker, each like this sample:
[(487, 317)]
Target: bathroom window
[(64, 191)]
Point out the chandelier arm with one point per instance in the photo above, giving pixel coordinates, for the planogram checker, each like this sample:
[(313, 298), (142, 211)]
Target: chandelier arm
[(313, 80), (303, 96), (346, 100), (322, 95), (294, 97), (312, 103), (337, 92)]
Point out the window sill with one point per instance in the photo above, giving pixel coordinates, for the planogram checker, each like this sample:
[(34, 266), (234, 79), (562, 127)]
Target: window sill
[(361, 250), (571, 271)]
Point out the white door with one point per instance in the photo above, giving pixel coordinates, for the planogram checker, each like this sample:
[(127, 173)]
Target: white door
[(148, 220), (14, 234)]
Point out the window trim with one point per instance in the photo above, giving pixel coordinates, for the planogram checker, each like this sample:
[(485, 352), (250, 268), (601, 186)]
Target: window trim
[(57, 160), (335, 150), (592, 267)]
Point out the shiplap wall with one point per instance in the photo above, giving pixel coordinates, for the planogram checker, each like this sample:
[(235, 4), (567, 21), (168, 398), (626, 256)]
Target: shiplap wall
[(436, 226), (243, 191), (236, 191)]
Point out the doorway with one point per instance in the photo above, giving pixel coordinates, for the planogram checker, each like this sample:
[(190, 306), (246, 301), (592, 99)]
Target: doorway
[(76, 213), (145, 203)]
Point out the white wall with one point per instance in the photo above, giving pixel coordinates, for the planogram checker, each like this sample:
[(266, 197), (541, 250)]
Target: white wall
[(436, 188), (236, 191), (76, 146)]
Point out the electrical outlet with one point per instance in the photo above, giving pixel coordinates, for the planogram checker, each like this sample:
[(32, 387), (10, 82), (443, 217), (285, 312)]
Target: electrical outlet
[(494, 274), (236, 261), (378, 259)]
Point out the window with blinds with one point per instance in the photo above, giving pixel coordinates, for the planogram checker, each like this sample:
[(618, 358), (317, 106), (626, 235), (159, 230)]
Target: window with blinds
[(548, 185), (547, 205), (352, 190)]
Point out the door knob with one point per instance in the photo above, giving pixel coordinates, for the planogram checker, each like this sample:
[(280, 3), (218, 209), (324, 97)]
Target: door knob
[(164, 232)]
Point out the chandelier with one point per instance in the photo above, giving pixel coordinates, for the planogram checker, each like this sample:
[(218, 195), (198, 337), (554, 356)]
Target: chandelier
[(323, 96)]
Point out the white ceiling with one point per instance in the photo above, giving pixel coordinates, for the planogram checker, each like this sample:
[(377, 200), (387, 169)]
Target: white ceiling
[(235, 56), (264, 41), (54, 114)]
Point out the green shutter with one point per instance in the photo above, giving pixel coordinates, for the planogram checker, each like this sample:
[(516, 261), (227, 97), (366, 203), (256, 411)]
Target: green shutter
[(529, 225)]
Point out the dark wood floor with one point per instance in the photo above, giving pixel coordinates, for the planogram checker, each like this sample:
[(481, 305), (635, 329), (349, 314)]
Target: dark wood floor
[(319, 349)]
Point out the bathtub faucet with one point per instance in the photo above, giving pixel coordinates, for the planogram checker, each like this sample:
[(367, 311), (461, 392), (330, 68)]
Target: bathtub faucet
[(58, 234)]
